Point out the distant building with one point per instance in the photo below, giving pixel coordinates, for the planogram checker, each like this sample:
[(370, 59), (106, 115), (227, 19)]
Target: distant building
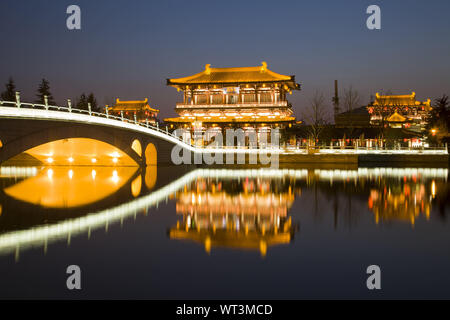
[(388, 111), (356, 118), (250, 98), (399, 111), (140, 108)]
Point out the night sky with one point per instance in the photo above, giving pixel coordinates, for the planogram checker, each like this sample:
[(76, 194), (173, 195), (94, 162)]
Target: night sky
[(127, 49)]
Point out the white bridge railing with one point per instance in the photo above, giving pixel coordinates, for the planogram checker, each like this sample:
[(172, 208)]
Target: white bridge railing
[(37, 106)]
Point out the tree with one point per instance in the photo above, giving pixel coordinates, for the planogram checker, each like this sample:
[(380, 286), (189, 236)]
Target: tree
[(93, 101), (439, 121), (10, 93), (351, 102), (351, 99), (44, 90), (82, 102), (315, 115)]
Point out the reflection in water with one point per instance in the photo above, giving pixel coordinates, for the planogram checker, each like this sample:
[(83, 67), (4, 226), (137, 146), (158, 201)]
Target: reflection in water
[(247, 214), (393, 194), (241, 209), (62, 187)]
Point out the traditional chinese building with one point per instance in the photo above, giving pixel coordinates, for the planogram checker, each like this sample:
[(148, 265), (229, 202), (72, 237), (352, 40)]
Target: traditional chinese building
[(251, 98), (140, 108), (399, 111)]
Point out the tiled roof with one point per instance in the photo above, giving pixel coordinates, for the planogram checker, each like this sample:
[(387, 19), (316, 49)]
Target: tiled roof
[(235, 75), (398, 100), (132, 105)]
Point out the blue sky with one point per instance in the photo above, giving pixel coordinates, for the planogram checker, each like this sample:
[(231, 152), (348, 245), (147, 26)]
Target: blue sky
[(127, 49)]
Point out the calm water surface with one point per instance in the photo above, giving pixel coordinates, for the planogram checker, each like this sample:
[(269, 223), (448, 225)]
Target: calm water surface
[(174, 232)]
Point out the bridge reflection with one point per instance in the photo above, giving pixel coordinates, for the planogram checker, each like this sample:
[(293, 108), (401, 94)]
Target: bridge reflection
[(240, 209), (70, 187)]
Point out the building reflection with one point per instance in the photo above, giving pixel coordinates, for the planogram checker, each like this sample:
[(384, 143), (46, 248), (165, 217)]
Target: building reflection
[(393, 194), (406, 202), (249, 213)]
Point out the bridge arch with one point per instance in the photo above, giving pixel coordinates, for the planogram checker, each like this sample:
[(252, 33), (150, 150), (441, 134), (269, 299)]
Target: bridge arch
[(151, 155), (137, 147), (38, 133), (80, 151)]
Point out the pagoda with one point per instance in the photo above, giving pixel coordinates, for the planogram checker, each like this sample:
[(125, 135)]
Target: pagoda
[(399, 111), (249, 98), (134, 109)]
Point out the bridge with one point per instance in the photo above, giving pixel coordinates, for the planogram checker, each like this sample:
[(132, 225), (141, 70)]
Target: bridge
[(24, 126)]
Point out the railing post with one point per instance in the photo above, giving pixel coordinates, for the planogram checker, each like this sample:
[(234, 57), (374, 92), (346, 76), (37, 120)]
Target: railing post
[(121, 115), (157, 124), (135, 119), (89, 108), (167, 130), (46, 102), (146, 122), (18, 99), (106, 112), (69, 104)]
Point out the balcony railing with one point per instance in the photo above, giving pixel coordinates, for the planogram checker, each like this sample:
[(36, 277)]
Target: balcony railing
[(283, 104)]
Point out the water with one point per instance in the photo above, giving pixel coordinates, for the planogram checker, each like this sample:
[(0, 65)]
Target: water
[(178, 233)]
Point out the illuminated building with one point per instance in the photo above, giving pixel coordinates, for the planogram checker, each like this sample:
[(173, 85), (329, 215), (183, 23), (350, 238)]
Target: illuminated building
[(399, 111), (250, 98), (140, 108)]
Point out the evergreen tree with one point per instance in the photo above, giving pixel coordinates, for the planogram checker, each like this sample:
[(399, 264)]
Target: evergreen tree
[(44, 90), (439, 120), (82, 102), (10, 93), (91, 99)]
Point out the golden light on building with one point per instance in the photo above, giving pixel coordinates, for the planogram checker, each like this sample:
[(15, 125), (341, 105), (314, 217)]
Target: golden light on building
[(237, 96), (400, 111), (134, 108)]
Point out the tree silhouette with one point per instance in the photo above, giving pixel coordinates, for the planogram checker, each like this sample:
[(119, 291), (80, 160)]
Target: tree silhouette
[(44, 90), (82, 102), (10, 93), (439, 120), (315, 116), (91, 99)]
